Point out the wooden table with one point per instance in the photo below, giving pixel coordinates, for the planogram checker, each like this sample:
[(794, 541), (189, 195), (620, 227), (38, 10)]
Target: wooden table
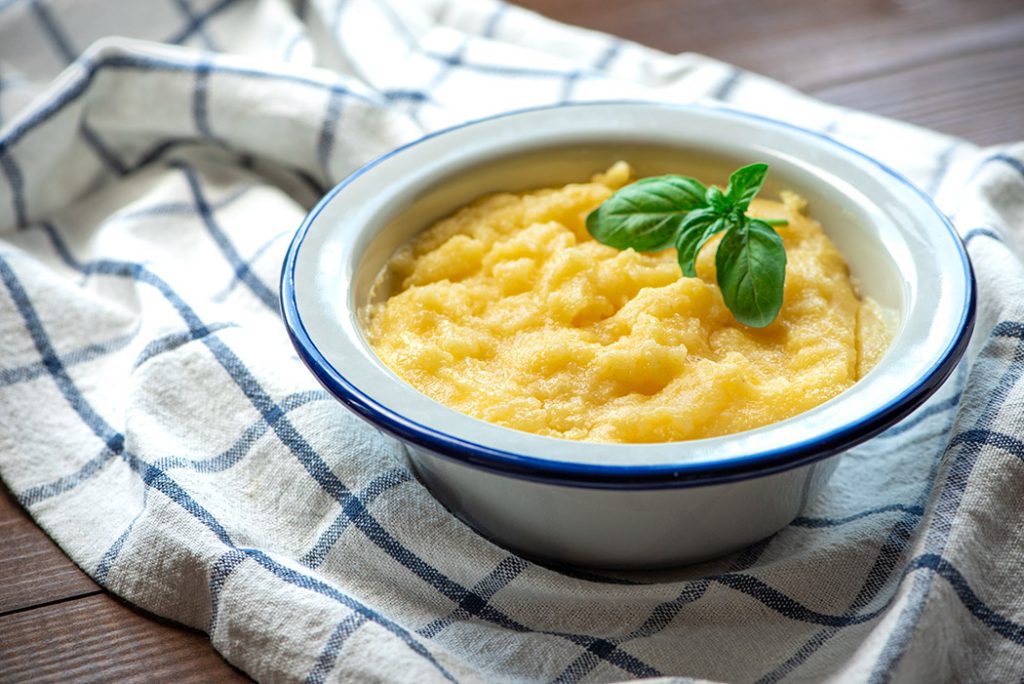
[(953, 65)]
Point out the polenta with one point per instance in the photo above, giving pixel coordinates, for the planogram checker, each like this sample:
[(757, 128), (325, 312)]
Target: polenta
[(510, 312)]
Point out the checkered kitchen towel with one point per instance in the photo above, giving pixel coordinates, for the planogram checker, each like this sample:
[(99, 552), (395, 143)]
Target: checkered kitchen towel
[(155, 421)]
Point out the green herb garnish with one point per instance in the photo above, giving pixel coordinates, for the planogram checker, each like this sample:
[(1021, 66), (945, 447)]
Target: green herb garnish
[(655, 213)]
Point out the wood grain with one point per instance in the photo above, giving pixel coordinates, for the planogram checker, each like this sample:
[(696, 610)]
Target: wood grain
[(33, 570), (952, 65), (97, 638), (883, 50), (986, 105)]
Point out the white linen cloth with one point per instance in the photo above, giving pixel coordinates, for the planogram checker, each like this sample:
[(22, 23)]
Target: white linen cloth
[(155, 421)]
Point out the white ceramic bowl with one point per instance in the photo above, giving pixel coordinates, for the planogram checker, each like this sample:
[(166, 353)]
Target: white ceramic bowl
[(614, 505)]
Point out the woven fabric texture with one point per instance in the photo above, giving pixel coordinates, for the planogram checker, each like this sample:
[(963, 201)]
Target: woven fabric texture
[(155, 421)]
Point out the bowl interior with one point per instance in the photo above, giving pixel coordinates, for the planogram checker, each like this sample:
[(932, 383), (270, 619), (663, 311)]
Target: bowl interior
[(852, 222), (899, 248)]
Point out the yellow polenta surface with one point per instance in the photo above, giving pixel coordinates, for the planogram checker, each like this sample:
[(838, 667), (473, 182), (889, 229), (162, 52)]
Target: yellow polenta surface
[(509, 311)]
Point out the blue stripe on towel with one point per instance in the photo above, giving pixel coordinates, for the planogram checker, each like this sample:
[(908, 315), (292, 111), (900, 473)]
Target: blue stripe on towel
[(89, 352), (242, 270), (325, 661), (1014, 163), (16, 183), (975, 233), (818, 523), (201, 100), (476, 606), (325, 139), (58, 37), (387, 480), (235, 280), (355, 509), (152, 476), (951, 495), (197, 22), (503, 574), (598, 646), (312, 584)]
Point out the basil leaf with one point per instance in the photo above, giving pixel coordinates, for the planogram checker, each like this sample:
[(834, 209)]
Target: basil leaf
[(654, 213), (696, 230), (716, 200), (744, 184), (751, 263), (646, 215)]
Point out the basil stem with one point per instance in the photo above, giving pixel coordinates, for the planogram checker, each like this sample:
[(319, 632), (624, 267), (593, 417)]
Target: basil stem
[(655, 213)]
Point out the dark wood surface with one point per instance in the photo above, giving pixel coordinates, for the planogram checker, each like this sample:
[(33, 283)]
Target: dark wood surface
[(33, 571), (57, 625), (953, 65), (96, 637)]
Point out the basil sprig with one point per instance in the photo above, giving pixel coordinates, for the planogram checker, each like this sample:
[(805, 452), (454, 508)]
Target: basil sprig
[(655, 213)]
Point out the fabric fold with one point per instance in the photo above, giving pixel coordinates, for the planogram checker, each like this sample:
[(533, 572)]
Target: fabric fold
[(158, 425)]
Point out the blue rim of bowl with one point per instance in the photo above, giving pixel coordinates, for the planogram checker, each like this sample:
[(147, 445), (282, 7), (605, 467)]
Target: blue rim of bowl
[(590, 475)]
